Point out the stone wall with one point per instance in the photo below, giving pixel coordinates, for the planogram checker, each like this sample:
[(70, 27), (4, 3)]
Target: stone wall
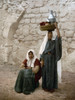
[(20, 31)]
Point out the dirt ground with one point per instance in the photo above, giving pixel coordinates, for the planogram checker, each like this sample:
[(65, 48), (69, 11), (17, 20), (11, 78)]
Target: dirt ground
[(8, 75)]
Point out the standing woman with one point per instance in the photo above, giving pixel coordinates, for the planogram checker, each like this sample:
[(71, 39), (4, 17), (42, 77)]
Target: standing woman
[(28, 78), (51, 52)]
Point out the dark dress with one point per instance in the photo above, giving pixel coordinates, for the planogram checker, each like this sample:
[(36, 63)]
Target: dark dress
[(49, 70), (27, 81)]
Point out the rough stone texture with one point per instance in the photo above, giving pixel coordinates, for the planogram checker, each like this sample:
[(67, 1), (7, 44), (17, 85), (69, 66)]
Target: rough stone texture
[(68, 63), (19, 32), (19, 26)]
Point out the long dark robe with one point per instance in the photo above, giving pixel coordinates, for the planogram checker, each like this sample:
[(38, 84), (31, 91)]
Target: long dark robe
[(27, 81), (49, 70)]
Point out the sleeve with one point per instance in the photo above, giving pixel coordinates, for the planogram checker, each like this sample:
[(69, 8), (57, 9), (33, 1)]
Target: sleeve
[(38, 73), (58, 48), (37, 66), (42, 56), (37, 62), (35, 69), (25, 63)]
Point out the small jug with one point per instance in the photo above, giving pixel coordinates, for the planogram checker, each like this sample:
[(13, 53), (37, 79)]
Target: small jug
[(52, 17)]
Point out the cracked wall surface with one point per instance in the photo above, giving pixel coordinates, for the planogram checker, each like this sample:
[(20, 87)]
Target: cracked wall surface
[(19, 26)]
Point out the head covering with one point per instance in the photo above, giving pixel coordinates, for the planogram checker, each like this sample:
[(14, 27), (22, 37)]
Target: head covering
[(30, 62), (44, 43), (58, 63)]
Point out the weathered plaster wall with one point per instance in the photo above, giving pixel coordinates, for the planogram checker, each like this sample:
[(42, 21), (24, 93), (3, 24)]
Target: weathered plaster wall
[(19, 31)]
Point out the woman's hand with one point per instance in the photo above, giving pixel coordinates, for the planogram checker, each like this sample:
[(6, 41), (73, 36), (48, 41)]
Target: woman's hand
[(22, 65), (42, 63), (29, 67)]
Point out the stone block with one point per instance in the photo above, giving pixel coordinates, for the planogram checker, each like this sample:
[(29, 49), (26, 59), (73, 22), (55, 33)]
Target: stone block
[(38, 3), (45, 15), (25, 30), (64, 19), (69, 34), (72, 45), (35, 11), (68, 26), (43, 9), (15, 36), (27, 21), (38, 20), (65, 44), (29, 38), (29, 10), (69, 40), (29, 16), (33, 26), (62, 33), (16, 41), (33, 20), (21, 37), (63, 13), (38, 15)]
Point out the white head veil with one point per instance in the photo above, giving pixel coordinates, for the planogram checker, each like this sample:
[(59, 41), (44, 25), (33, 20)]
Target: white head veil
[(44, 43), (58, 63), (30, 62)]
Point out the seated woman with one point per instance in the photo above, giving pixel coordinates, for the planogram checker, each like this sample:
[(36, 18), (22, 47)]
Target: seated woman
[(28, 78)]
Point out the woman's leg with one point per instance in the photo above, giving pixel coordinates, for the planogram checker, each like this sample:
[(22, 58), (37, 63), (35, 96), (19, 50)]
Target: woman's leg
[(37, 84), (43, 78), (19, 82)]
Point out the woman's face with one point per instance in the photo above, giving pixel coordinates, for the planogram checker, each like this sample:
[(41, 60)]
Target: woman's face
[(30, 54), (49, 35)]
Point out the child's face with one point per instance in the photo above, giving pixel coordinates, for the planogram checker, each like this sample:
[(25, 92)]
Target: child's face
[(30, 55)]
